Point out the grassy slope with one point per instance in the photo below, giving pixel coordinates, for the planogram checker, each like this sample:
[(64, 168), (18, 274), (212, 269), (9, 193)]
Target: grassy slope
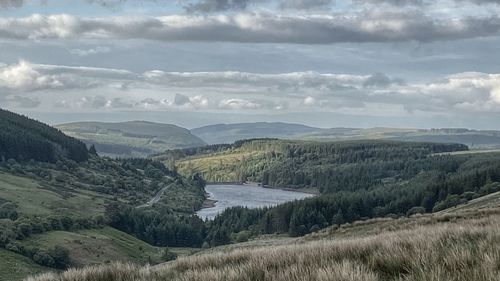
[(217, 164), (460, 245), (15, 267), (98, 246), (141, 137), (35, 198)]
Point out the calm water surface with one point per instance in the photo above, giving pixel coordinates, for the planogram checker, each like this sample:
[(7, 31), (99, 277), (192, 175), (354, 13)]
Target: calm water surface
[(245, 195)]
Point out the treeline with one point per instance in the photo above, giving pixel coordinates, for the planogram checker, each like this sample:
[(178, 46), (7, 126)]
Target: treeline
[(176, 154), (446, 183), (23, 139), (158, 226), (23, 227)]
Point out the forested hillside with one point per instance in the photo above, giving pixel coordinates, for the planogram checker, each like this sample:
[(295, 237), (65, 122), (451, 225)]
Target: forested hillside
[(22, 138), (329, 166), (356, 180)]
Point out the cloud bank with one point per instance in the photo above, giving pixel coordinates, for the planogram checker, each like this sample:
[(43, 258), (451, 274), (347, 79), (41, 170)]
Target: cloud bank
[(52, 86), (255, 28)]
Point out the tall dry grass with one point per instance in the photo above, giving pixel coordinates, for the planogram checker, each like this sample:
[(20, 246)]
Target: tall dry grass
[(459, 250)]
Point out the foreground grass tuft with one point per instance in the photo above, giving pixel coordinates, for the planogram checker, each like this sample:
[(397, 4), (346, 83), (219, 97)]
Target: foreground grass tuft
[(460, 250)]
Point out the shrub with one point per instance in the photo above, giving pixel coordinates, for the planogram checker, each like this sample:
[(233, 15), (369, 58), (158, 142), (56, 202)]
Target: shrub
[(415, 210), (43, 258), (168, 255)]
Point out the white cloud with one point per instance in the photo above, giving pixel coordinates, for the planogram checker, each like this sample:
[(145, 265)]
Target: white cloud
[(309, 101), (90, 51), (238, 104), (23, 76)]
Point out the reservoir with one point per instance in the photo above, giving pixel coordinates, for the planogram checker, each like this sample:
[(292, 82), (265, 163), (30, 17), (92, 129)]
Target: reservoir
[(250, 196)]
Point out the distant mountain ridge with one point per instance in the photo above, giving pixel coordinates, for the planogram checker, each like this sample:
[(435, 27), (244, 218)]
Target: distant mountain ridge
[(229, 133), (143, 138), (132, 138)]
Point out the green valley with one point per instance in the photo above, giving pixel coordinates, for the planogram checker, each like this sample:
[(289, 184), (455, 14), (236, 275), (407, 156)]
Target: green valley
[(65, 206)]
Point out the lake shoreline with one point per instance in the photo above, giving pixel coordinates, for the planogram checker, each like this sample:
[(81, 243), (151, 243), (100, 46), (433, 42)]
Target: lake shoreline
[(251, 195), (307, 191), (208, 203)]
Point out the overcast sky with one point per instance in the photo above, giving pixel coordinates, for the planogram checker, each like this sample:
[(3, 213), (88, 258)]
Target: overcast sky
[(356, 63)]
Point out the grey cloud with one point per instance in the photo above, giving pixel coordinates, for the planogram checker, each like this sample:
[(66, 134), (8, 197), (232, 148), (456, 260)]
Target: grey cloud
[(92, 102), (398, 3), (22, 102), (181, 99), (62, 104), (416, 3), (97, 102), (306, 4), (120, 103), (217, 5), (11, 3), (257, 28), (207, 6), (380, 80), (481, 1), (106, 3), (151, 101)]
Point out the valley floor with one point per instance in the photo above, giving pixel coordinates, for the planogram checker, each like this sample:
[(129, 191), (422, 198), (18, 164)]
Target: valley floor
[(461, 244)]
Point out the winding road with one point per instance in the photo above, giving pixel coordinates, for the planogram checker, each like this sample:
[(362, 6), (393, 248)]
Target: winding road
[(154, 199)]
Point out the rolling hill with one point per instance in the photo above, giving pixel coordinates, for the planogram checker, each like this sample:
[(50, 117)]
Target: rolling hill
[(131, 139), (229, 133)]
